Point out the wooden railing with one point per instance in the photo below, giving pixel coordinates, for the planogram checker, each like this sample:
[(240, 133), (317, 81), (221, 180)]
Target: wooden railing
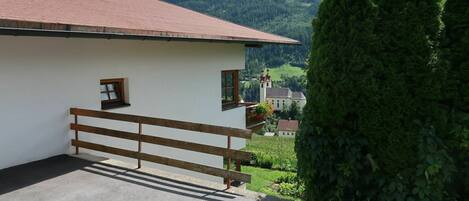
[(139, 137), (253, 122)]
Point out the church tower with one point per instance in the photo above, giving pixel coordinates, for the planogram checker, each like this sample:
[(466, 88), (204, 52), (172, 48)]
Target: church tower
[(265, 82)]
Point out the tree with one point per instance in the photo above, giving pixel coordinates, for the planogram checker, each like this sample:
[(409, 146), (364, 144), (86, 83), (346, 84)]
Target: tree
[(294, 112), (404, 126), (331, 150), (295, 83), (284, 112), (249, 91), (455, 59), (372, 127)]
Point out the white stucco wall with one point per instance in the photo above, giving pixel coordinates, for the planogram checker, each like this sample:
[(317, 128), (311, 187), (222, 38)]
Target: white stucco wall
[(286, 133), (280, 106), (41, 78)]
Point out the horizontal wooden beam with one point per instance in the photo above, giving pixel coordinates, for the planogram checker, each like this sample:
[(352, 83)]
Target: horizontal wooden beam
[(219, 151), (165, 161), (204, 128)]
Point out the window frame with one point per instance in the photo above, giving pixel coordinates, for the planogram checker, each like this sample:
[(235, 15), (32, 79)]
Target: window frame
[(118, 85), (226, 89)]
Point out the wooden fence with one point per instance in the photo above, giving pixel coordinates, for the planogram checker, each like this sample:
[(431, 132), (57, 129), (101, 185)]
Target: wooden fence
[(228, 153)]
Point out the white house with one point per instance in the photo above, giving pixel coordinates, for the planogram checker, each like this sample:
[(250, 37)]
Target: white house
[(287, 128), (279, 98), (142, 57)]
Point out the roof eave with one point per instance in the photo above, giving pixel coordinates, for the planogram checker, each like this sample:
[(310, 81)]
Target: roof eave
[(23, 28)]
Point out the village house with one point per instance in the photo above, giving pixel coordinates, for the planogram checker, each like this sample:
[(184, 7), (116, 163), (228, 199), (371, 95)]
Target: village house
[(287, 128), (165, 73), (279, 98)]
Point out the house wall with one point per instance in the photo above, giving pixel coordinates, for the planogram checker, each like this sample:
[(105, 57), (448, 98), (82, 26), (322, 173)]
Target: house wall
[(279, 107), (41, 78), (286, 133)]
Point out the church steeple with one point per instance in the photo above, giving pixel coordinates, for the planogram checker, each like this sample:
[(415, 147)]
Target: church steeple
[(265, 82)]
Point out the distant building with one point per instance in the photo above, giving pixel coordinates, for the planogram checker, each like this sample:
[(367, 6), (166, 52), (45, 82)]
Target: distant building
[(279, 98), (287, 128)]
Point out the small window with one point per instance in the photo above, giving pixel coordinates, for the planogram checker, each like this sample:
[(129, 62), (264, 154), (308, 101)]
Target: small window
[(112, 93), (229, 89)]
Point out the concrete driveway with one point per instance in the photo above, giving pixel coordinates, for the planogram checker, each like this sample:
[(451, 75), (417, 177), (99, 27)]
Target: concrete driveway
[(68, 178)]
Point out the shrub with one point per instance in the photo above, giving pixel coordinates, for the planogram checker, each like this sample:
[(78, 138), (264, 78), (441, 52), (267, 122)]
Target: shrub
[(264, 109), (264, 160), (290, 185), (289, 178)]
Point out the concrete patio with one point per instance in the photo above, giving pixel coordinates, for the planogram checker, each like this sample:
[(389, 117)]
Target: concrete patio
[(71, 178)]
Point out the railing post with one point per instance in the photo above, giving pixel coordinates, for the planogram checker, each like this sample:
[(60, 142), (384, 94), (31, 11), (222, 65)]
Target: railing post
[(139, 144), (76, 134), (228, 164), (238, 165)]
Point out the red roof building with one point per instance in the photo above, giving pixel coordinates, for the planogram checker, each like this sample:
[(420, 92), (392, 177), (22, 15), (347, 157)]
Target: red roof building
[(138, 19), (288, 125)]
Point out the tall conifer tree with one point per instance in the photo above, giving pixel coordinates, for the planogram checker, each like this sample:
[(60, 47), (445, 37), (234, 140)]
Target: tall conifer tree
[(455, 57), (331, 151), (373, 126)]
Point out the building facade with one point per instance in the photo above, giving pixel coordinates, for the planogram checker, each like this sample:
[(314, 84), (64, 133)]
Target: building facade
[(279, 98), (287, 128), (156, 63)]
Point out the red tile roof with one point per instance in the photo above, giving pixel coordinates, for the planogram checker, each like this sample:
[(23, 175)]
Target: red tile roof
[(287, 125), (149, 18)]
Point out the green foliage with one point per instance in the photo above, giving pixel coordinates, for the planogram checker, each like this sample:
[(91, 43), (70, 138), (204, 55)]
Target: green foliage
[(331, 150), (455, 60), (289, 18), (250, 90), (292, 112), (264, 160), (270, 124), (263, 180), (264, 109), (291, 189), (373, 128), (278, 151), (288, 178), (290, 185), (295, 83), (285, 71)]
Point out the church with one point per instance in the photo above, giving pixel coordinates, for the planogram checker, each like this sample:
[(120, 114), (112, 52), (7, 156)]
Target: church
[(279, 98)]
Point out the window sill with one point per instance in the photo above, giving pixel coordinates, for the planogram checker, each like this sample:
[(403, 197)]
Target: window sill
[(230, 107), (109, 107)]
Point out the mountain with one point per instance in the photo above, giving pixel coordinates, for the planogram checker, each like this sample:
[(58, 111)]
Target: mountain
[(290, 18)]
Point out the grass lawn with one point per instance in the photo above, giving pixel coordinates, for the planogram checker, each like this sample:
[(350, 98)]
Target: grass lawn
[(262, 180), (282, 152), (281, 149), (286, 69)]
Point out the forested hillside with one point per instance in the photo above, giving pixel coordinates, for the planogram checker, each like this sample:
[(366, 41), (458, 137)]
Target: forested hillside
[(291, 18)]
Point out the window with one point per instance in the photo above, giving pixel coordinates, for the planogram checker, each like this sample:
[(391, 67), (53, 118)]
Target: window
[(278, 104), (229, 89), (112, 93)]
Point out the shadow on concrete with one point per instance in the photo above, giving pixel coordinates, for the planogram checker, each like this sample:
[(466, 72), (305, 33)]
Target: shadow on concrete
[(157, 182), (18, 177)]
